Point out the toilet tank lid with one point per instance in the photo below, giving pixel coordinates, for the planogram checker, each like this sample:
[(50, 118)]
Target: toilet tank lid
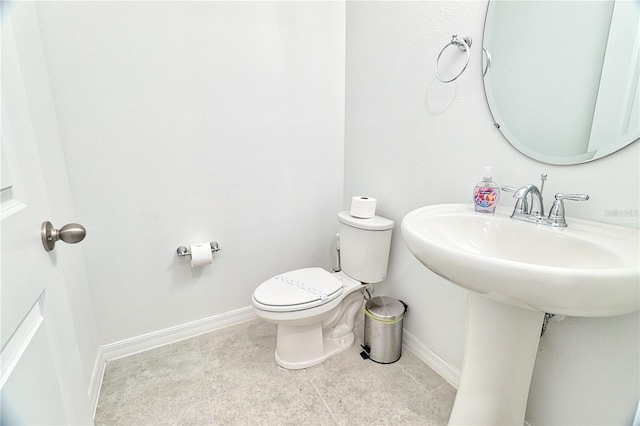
[(376, 223)]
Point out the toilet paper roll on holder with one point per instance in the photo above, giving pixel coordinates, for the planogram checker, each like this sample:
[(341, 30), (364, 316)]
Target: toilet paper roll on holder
[(183, 251)]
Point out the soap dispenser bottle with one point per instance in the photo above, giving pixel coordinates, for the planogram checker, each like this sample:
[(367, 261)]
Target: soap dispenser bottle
[(486, 193)]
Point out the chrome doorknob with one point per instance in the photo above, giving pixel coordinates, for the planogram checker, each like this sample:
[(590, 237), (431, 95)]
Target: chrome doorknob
[(71, 233)]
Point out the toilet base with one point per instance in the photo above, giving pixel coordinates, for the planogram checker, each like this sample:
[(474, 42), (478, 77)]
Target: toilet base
[(302, 345), (308, 337), (299, 348)]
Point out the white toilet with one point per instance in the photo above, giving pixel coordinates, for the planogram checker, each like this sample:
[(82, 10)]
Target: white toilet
[(314, 309)]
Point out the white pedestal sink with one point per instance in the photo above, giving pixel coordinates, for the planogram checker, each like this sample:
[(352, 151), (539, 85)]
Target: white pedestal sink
[(516, 272)]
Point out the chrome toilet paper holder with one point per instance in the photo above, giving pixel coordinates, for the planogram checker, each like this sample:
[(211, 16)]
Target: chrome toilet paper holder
[(183, 251)]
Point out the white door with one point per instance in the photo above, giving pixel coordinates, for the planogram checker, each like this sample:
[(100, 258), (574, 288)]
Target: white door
[(39, 383)]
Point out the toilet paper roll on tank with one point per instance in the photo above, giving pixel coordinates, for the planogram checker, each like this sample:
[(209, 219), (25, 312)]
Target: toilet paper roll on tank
[(363, 207)]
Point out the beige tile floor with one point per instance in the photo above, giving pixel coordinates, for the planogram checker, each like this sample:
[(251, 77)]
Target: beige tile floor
[(229, 376)]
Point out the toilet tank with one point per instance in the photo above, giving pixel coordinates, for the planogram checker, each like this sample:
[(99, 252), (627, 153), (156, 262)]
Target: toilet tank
[(364, 247)]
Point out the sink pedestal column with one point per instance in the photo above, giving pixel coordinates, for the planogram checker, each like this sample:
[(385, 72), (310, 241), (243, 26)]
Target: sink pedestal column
[(500, 351)]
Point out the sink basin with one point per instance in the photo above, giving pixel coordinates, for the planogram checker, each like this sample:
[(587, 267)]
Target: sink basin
[(588, 269), (516, 272)]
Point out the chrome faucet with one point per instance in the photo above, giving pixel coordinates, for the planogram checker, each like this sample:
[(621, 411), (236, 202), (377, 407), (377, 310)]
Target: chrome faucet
[(536, 208), (534, 212)]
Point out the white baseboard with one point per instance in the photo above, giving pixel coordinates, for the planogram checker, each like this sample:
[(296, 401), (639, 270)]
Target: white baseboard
[(169, 335), (159, 338), (448, 372)]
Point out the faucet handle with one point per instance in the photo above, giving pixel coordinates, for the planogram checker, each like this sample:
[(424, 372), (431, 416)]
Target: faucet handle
[(556, 213), (572, 197), (521, 207)]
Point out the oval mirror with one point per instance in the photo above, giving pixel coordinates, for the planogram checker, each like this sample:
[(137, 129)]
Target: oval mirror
[(561, 77)]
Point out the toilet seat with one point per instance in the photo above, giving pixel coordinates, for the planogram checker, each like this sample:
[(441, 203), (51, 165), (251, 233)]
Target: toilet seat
[(297, 290)]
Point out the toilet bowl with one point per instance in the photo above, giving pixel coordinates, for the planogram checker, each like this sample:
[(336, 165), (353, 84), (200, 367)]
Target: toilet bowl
[(314, 309), (306, 335)]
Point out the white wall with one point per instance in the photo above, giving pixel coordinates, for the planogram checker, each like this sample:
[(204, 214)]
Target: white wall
[(413, 141), (196, 121)]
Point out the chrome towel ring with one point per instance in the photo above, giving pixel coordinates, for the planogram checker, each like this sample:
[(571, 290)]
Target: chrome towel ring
[(463, 44)]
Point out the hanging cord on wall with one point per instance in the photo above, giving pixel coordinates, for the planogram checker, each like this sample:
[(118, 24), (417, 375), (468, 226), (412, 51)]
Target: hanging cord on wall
[(545, 323), (338, 267), (464, 44), (368, 291)]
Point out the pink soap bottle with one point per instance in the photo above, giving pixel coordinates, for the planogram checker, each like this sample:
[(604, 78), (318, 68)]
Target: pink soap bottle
[(486, 193)]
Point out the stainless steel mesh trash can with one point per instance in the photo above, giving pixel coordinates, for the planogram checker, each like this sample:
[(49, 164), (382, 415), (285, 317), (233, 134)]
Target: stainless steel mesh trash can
[(383, 318)]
